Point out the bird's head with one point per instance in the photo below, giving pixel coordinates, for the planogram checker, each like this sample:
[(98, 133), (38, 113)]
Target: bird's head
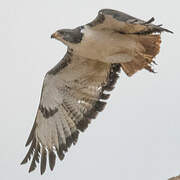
[(69, 36)]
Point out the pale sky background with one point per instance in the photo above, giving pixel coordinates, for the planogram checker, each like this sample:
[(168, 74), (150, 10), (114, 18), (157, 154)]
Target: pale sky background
[(137, 136)]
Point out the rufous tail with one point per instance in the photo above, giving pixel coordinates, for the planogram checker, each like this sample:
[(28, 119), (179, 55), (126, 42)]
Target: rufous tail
[(151, 44)]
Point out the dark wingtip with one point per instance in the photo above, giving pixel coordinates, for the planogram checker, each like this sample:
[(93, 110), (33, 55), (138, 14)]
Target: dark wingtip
[(32, 168), (165, 30), (31, 136), (30, 152), (27, 143), (35, 158), (149, 21), (43, 161), (29, 139), (52, 160), (169, 31), (23, 162)]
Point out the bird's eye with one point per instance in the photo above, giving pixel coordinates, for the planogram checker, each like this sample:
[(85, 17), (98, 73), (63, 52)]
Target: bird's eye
[(61, 32)]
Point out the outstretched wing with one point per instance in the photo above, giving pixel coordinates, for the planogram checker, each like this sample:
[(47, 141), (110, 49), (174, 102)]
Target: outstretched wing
[(72, 95), (118, 21)]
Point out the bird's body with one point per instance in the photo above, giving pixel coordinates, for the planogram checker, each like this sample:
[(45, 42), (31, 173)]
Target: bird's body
[(75, 90), (113, 44)]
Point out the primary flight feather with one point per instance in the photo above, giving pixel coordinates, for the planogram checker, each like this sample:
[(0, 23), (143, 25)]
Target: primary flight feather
[(74, 90)]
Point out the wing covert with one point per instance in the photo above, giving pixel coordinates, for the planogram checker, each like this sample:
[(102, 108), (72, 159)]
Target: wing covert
[(72, 95), (118, 21)]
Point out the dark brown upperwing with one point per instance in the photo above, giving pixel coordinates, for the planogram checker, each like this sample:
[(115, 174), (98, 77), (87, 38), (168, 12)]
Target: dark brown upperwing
[(118, 21)]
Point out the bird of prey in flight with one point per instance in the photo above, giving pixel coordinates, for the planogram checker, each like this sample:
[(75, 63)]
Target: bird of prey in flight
[(76, 89)]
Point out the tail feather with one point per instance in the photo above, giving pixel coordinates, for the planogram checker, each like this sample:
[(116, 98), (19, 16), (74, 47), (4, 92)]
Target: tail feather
[(151, 44)]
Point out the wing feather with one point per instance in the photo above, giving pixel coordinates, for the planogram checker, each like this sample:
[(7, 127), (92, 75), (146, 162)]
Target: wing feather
[(70, 99), (43, 160), (31, 136), (52, 159), (124, 23), (35, 158), (30, 152), (73, 91)]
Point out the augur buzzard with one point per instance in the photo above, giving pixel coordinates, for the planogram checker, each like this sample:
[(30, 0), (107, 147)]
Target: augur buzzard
[(76, 89)]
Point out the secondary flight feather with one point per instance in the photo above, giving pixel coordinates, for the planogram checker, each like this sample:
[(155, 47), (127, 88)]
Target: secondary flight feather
[(76, 89)]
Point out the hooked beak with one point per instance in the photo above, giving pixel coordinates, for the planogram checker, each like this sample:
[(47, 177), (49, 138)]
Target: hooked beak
[(55, 35)]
